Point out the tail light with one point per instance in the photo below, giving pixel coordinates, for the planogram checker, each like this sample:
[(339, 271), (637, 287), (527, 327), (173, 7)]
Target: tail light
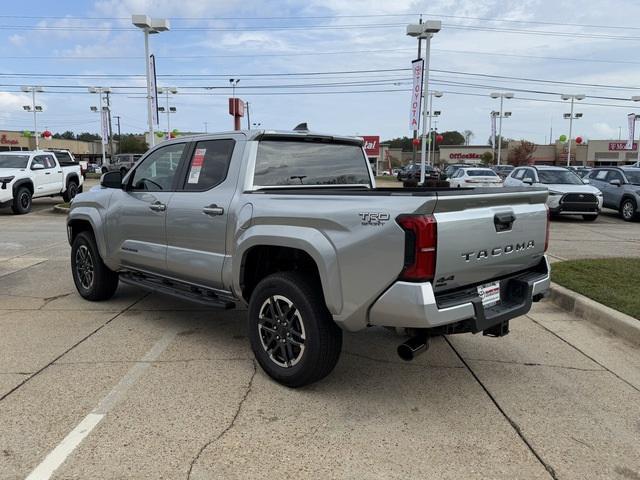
[(546, 234), (421, 238)]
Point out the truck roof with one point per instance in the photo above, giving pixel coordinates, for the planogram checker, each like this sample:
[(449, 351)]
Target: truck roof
[(259, 134)]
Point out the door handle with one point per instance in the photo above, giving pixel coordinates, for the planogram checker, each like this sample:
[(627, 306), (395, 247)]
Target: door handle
[(47, 173), (158, 207), (213, 210)]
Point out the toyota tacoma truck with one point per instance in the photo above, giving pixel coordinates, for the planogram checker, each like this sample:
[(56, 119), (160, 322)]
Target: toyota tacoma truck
[(291, 225), (25, 175)]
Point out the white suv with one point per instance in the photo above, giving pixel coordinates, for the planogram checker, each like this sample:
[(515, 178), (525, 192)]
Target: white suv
[(568, 194)]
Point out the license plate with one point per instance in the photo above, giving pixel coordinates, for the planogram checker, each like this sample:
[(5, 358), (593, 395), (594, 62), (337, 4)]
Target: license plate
[(489, 293)]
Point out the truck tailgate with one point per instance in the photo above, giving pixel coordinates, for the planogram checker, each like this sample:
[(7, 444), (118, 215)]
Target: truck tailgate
[(485, 236)]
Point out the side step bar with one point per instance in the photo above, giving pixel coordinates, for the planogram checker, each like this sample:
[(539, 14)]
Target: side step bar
[(192, 293)]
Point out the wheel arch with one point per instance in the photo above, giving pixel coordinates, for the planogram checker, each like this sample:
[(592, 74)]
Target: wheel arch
[(267, 251), (23, 182), (86, 221)]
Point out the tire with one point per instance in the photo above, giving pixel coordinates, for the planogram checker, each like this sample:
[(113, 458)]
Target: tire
[(93, 279), (311, 341), (628, 209), (21, 203), (71, 191)]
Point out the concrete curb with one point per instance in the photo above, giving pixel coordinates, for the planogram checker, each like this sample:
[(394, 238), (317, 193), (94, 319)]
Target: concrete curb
[(618, 323), (59, 209)]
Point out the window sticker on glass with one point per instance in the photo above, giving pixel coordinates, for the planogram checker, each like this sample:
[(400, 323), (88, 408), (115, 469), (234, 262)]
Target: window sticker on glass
[(196, 165)]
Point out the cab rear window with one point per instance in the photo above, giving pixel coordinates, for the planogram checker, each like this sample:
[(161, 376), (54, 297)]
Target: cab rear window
[(291, 163)]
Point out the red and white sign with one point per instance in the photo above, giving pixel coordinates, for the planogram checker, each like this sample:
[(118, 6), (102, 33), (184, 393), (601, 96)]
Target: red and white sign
[(622, 146), (416, 95), (461, 156), (371, 145), (7, 141)]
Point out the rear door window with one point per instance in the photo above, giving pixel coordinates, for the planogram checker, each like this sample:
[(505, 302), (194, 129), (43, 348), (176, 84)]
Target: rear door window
[(614, 175), (209, 164), (294, 163)]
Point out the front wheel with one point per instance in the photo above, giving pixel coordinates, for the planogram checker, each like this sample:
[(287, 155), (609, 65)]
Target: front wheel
[(93, 279), (293, 335), (589, 218), (22, 201), (628, 209)]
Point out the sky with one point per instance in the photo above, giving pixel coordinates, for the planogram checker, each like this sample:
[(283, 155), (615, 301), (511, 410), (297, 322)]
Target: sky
[(342, 66)]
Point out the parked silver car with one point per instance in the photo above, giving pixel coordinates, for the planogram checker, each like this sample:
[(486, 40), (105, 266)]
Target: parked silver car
[(121, 162), (620, 188)]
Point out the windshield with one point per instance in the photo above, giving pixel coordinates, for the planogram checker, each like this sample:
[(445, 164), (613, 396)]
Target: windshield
[(286, 162), (481, 173), (14, 161), (559, 176), (633, 176)]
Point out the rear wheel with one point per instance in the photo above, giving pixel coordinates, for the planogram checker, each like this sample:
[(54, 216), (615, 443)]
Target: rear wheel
[(71, 191), (93, 279), (21, 201), (293, 335), (628, 209), (589, 218)]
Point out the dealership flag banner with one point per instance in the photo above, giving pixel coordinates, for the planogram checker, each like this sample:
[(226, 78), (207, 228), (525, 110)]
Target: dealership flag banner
[(416, 94), (105, 125), (631, 118), (154, 88), (493, 130)]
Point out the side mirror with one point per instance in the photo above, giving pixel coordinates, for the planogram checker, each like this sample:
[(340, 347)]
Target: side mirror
[(528, 180), (585, 181), (37, 166), (111, 180), (615, 182)]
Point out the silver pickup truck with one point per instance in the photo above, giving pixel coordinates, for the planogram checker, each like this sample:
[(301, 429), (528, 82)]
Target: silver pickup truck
[(292, 225)]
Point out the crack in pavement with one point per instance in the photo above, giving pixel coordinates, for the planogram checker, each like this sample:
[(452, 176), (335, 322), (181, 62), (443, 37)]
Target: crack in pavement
[(39, 371), (583, 353), (512, 422), (48, 300), (231, 424), (392, 362), (533, 364)]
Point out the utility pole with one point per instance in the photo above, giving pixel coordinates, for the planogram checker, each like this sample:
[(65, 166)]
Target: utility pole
[(117, 117), (205, 127), (248, 118), (110, 127)]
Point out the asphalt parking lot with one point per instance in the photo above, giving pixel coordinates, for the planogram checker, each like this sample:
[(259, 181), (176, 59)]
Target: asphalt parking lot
[(148, 387)]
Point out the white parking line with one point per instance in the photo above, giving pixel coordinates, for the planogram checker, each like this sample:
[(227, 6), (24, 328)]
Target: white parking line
[(66, 447)]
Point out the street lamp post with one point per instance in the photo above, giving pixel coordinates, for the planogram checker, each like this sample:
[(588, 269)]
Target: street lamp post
[(635, 98), (148, 26), (432, 114), (33, 108), (571, 117), (168, 110), (501, 96), (424, 30), (100, 110), (166, 91)]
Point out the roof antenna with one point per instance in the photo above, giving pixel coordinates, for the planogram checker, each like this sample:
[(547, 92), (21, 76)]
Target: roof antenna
[(301, 127)]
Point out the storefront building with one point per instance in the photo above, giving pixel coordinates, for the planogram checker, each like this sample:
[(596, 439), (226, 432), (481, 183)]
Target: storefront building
[(90, 151)]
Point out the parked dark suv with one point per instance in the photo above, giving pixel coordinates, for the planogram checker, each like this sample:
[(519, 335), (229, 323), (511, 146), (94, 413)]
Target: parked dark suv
[(620, 187), (411, 173)]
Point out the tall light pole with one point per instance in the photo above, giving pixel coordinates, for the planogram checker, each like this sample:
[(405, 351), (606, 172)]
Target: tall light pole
[(166, 91), (148, 26), (501, 96), (33, 108), (635, 98), (432, 114), (424, 30), (101, 110), (573, 98)]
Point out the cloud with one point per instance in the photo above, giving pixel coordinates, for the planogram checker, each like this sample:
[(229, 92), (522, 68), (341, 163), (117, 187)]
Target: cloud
[(604, 130), (17, 40)]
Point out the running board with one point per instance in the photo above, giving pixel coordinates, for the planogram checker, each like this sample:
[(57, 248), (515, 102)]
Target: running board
[(185, 291)]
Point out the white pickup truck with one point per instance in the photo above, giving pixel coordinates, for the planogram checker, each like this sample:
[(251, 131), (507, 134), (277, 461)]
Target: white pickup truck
[(33, 174)]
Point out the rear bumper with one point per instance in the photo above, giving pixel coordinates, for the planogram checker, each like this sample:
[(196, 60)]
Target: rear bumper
[(415, 305)]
